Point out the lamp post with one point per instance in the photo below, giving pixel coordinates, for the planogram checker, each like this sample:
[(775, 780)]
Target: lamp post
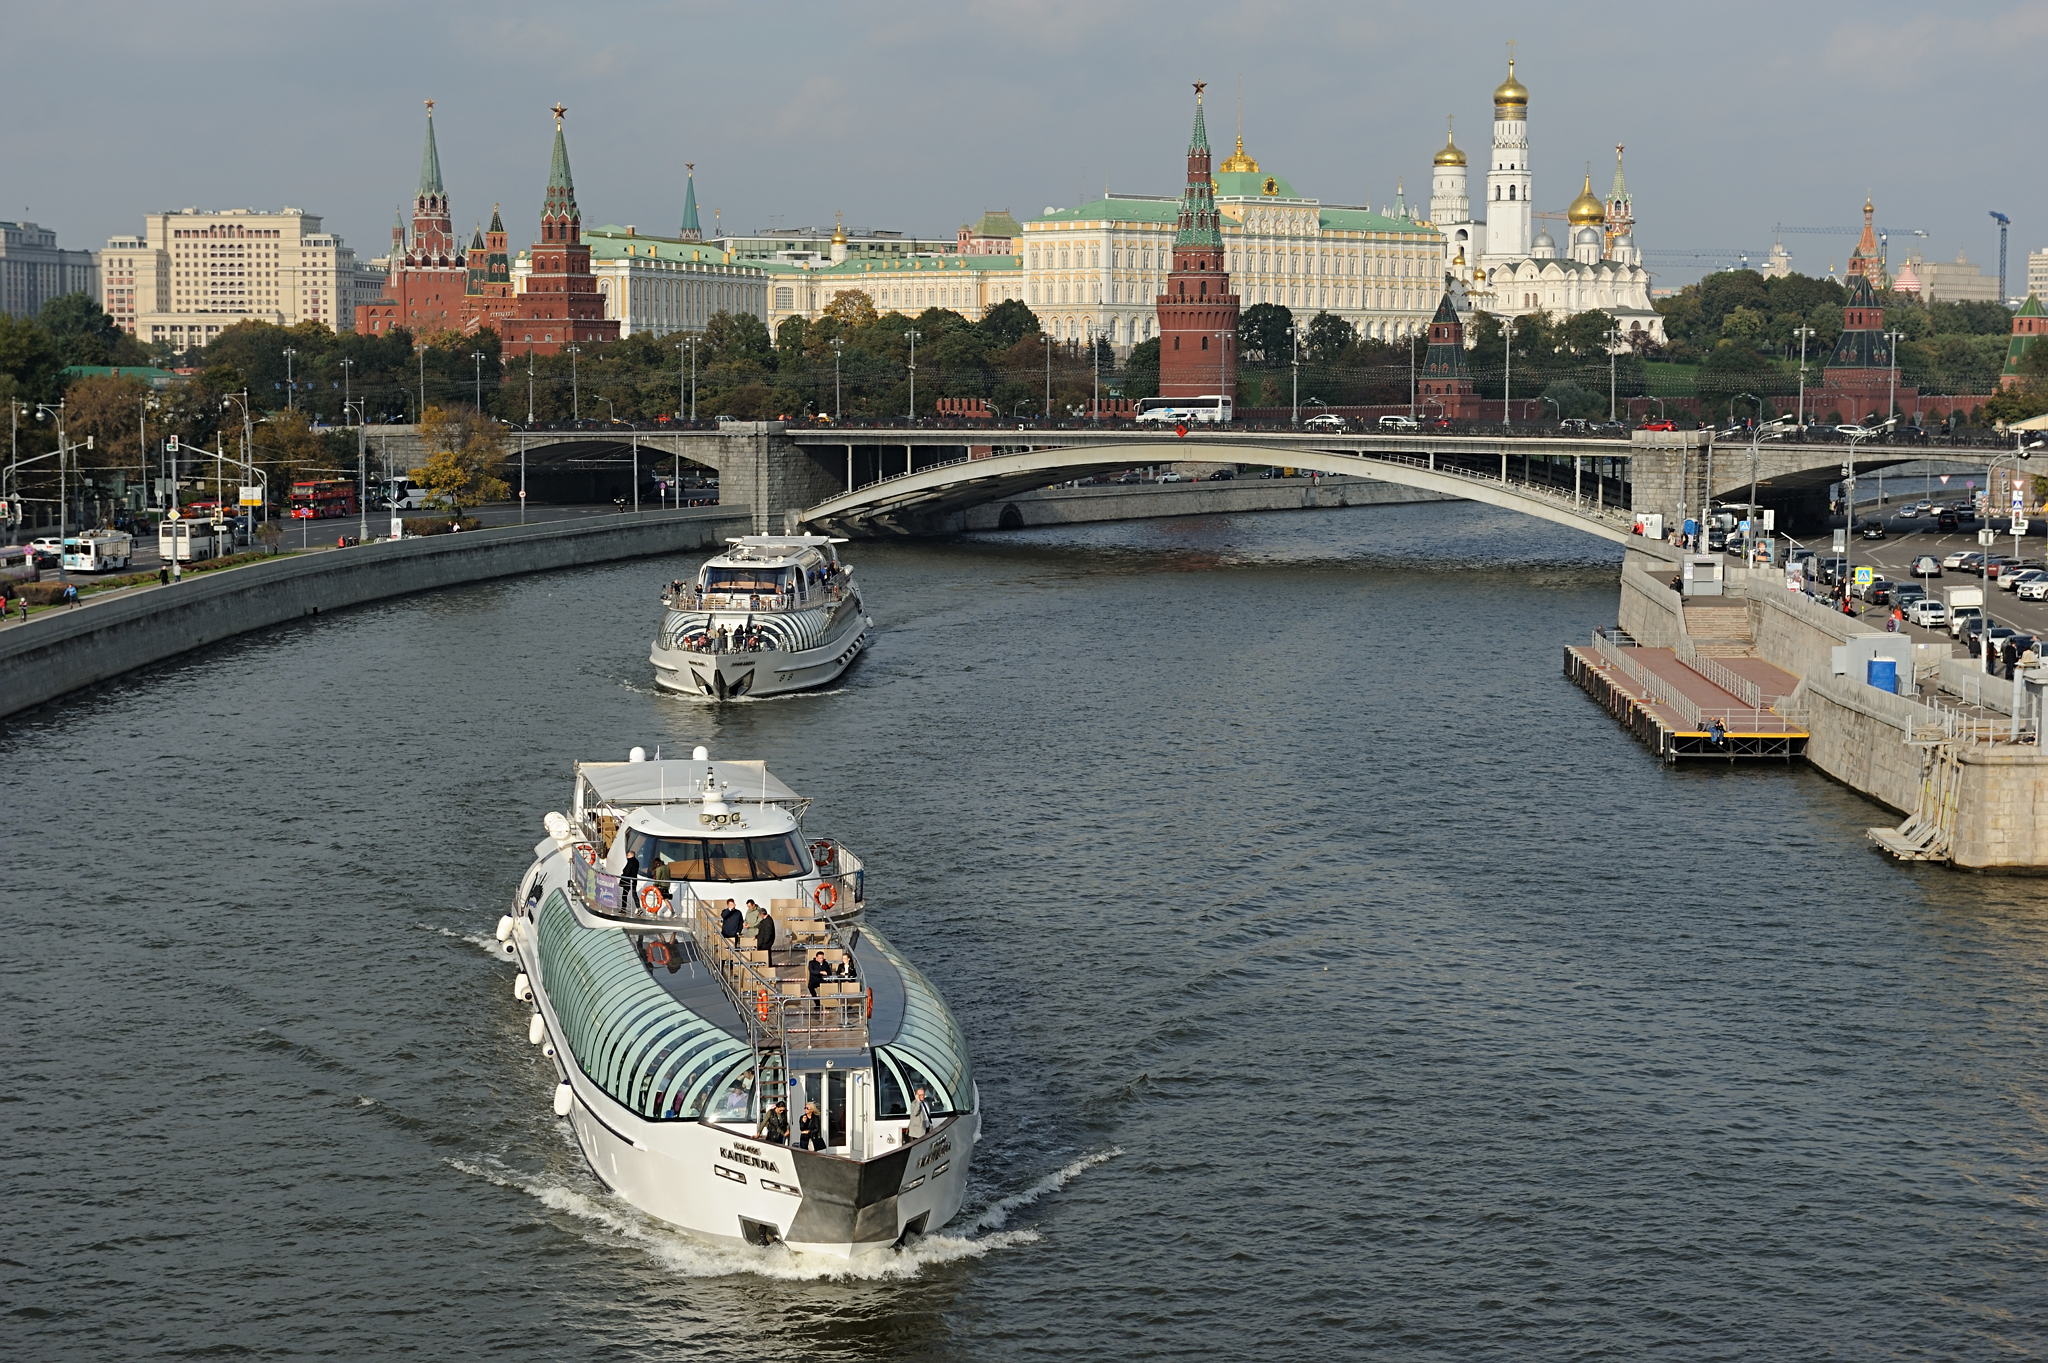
[(347, 376), (837, 415), (575, 390), (1507, 382), (1046, 341), (1891, 396), (44, 409), (1294, 411), (1411, 373), (1802, 333), (422, 349), (362, 478), (2020, 451), (1613, 344), (1849, 499), (912, 337), (1762, 431), (478, 356), (682, 384), (291, 387), (1095, 355), (529, 394)]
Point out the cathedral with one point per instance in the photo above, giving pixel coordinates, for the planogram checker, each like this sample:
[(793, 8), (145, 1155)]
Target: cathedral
[(1507, 265)]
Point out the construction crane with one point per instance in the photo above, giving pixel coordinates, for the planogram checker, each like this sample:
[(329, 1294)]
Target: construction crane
[(2003, 223)]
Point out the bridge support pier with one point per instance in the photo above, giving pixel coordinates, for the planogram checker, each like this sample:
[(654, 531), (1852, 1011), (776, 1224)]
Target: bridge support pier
[(776, 477)]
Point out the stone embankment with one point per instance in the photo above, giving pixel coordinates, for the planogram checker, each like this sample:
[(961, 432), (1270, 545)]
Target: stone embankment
[(61, 651), (1969, 797)]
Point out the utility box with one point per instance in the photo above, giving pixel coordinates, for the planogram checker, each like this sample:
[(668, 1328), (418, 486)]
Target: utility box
[(1702, 575), (1864, 653)]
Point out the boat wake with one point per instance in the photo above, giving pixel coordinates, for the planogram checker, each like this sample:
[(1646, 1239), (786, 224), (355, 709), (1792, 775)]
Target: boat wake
[(489, 946), (614, 1223)]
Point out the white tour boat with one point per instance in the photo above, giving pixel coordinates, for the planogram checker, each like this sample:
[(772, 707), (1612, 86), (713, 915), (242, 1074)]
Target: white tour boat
[(671, 1044), (774, 613)]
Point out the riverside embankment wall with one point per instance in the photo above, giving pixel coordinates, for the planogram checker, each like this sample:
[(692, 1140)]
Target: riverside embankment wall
[(1859, 735), (61, 651), (1152, 501)]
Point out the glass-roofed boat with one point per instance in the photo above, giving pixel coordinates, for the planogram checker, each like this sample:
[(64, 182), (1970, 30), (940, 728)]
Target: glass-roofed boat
[(773, 613), (799, 1083)]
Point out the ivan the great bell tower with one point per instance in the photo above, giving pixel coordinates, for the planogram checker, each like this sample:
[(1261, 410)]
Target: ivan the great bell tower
[(1198, 312)]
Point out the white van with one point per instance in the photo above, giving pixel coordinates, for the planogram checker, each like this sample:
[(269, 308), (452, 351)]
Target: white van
[(98, 551)]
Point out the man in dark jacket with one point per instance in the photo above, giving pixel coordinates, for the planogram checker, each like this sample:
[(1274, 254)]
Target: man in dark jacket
[(2011, 658), (629, 883), (729, 924), (764, 935)]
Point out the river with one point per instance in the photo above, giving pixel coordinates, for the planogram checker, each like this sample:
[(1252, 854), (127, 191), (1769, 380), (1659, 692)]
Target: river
[(1340, 981)]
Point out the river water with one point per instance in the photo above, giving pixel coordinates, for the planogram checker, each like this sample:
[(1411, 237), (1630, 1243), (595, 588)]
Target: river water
[(1340, 981)]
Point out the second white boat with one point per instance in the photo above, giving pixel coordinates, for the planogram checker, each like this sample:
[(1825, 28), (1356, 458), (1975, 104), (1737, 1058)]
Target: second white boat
[(774, 613)]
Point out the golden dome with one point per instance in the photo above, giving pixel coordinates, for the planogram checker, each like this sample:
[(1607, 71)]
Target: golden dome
[(1586, 210), (838, 230), (1511, 93), (1450, 155), (1240, 162)]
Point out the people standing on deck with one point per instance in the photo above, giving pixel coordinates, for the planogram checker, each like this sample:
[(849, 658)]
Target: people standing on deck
[(920, 1116), (629, 881), (764, 933), (753, 917), (775, 1127), (730, 924), (810, 1130)]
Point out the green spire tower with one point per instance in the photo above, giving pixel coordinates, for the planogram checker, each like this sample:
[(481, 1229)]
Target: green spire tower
[(692, 229)]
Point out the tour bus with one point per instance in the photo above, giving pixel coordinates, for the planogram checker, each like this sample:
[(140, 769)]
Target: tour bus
[(98, 551), (323, 500), (1208, 410), (401, 494)]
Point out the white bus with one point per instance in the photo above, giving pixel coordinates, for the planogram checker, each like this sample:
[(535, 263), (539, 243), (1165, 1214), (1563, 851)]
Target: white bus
[(98, 551), (1210, 409), (190, 541)]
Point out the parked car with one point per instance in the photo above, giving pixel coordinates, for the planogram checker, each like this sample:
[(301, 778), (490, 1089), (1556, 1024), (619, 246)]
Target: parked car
[(1962, 558), (1905, 594), (2010, 580), (1325, 421), (1877, 591), (2036, 590), (1996, 635), (1927, 613), (1963, 618), (1396, 422), (1996, 564), (1658, 423), (1833, 569), (1173, 478)]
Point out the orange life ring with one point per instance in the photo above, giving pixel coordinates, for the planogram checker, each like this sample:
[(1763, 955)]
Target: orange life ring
[(657, 953), (871, 1003), (761, 1004), (652, 900), (826, 896), (587, 852)]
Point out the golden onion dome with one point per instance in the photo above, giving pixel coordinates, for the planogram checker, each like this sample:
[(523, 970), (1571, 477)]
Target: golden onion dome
[(1511, 93), (1586, 210), (1450, 155), (1240, 163)]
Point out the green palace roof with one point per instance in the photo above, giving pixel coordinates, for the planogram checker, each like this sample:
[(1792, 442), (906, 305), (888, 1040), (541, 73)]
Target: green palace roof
[(996, 223), (155, 378), (1167, 211), (615, 243), (1251, 184), (1114, 209)]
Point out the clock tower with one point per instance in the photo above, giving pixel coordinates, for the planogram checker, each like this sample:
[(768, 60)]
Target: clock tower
[(1198, 312)]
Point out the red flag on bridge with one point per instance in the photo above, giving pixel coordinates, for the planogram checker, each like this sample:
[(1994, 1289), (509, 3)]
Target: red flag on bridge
[(1181, 430)]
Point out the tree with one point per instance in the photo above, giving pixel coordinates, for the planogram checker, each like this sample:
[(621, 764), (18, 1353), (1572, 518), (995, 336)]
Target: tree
[(465, 456), (789, 335), (108, 409), (84, 334), (29, 357), (1007, 323), (1140, 378), (852, 309), (1329, 336), (1263, 334)]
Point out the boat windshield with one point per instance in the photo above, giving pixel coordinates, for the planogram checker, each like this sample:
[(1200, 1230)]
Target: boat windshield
[(776, 857), (748, 581)]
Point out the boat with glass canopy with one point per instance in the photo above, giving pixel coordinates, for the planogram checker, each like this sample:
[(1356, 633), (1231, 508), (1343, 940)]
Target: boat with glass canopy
[(673, 1040), (773, 613)]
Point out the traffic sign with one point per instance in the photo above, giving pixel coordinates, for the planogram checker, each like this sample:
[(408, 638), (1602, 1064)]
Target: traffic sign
[(2019, 525), (1987, 536), (1863, 576)]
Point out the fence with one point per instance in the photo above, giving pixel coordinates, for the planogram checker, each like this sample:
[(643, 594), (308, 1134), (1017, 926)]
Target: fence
[(1697, 717)]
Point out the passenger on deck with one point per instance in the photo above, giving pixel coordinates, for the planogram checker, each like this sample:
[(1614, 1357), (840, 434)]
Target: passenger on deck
[(629, 880), (764, 934), (920, 1117), (820, 972), (810, 1130), (775, 1127), (730, 924), (753, 917)]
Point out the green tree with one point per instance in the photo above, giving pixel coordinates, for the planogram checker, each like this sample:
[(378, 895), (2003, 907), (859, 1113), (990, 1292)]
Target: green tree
[(1265, 335), (29, 357), (1328, 337), (1007, 323), (84, 334), (465, 459)]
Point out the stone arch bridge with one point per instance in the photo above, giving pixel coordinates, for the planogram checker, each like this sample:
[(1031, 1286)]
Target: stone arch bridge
[(867, 482)]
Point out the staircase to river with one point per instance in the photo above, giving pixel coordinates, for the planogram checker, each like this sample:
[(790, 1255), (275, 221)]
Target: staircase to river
[(1720, 630)]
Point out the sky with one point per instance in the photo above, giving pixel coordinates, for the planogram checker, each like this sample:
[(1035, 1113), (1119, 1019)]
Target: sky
[(917, 116)]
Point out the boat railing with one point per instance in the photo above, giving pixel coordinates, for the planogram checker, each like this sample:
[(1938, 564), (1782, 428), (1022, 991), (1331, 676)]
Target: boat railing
[(778, 1008), (689, 598)]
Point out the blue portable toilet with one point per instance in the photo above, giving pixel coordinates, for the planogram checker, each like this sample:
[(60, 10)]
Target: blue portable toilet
[(1883, 673)]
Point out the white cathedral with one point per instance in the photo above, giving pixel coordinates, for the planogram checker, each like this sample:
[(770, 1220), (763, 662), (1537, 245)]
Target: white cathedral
[(1502, 269)]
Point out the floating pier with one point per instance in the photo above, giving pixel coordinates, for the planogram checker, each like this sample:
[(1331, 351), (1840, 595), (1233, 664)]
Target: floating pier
[(1718, 709)]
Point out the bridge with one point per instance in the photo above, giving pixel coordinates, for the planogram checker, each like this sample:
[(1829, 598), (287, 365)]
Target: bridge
[(866, 481)]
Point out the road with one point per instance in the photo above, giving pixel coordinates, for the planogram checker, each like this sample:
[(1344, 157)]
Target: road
[(1892, 556)]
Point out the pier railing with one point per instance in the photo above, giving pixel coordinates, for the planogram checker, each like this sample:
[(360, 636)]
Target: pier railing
[(1698, 717), (1720, 674)]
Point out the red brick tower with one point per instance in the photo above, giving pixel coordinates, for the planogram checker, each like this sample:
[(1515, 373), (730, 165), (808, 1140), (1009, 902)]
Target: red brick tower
[(423, 291), (1198, 312), (560, 302), (1446, 379)]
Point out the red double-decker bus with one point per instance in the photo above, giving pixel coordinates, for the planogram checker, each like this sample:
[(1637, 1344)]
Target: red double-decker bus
[(319, 501)]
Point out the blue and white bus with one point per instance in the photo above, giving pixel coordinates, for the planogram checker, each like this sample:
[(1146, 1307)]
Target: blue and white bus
[(1210, 409)]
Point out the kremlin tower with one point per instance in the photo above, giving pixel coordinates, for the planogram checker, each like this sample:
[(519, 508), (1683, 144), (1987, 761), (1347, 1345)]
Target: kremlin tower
[(424, 289), (558, 301), (1198, 312)]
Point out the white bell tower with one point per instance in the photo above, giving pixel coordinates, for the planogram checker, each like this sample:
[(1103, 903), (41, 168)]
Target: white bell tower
[(1509, 184)]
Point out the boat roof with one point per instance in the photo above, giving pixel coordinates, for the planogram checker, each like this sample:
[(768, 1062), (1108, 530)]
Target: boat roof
[(680, 781), (770, 548)]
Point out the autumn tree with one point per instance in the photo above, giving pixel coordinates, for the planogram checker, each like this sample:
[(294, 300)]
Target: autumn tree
[(465, 459)]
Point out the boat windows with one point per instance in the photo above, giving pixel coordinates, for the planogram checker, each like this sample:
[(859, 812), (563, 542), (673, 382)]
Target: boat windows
[(748, 581), (776, 857)]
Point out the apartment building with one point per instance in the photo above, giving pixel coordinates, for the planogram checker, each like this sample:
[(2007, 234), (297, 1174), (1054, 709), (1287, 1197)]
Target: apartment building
[(191, 274)]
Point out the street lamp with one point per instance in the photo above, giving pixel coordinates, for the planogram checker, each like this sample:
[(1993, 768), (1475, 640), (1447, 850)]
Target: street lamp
[(837, 415), (362, 475), (422, 349), (1507, 382), (1613, 346), (575, 391), (1772, 430), (478, 356), (912, 337), (1802, 333), (1411, 373), (347, 375), (1294, 412), (1891, 397), (291, 387), (1046, 341), (1849, 497)]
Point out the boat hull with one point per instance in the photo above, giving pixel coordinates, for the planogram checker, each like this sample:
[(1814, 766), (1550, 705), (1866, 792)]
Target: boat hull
[(770, 672)]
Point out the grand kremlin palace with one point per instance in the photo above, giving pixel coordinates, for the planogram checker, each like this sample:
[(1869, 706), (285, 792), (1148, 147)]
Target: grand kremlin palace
[(1098, 269)]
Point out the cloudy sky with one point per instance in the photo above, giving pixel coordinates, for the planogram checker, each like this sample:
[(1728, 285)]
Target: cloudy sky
[(916, 116)]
